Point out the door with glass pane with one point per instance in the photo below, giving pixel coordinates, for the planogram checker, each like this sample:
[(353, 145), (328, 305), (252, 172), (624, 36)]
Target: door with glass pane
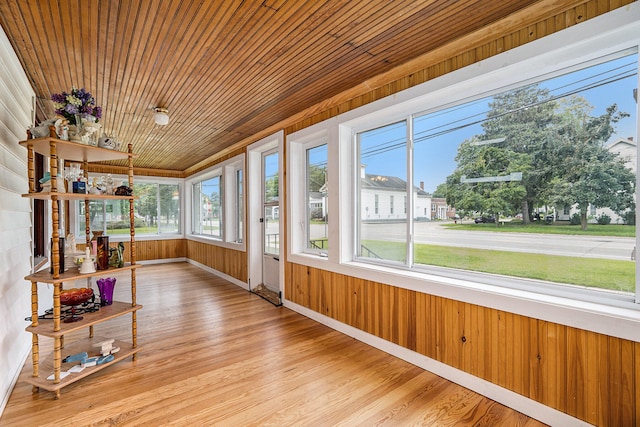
[(270, 220)]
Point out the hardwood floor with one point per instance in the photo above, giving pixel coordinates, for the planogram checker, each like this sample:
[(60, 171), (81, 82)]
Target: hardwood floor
[(214, 354)]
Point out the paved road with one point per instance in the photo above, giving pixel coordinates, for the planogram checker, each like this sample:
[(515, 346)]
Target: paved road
[(582, 246)]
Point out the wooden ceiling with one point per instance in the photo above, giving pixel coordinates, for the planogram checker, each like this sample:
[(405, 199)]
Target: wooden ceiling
[(226, 70)]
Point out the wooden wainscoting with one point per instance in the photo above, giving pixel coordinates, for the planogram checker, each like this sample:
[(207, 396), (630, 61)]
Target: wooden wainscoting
[(590, 376), (158, 249), (228, 261), (147, 250)]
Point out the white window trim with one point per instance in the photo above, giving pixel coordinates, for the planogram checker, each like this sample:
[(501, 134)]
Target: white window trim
[(601, 36), (226, 170), (297, 146), (73, 213), (230, 192)]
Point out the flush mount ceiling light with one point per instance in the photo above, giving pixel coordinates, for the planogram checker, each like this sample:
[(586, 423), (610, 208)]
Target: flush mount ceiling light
[(161, 116)]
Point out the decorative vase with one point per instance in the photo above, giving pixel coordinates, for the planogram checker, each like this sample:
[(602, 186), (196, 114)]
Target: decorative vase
[(106, 286), (94, 241), (116, 256), (102, 252)]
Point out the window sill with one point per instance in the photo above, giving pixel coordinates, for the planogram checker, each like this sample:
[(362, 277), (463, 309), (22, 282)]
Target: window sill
[(311, 260), (616, 321), (143, 237), (217, 242)]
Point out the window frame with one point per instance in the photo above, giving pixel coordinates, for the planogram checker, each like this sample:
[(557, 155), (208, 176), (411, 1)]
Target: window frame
[(78, 225), (454, 97), (555, 54), (232, 201), (195, 213), (297, 189)]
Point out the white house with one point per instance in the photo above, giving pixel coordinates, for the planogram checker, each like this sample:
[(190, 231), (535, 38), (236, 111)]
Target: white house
[(384, 198)]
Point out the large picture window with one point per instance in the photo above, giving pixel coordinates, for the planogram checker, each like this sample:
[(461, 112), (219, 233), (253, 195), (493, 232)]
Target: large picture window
[(156, 211), (533, 182), (157, 208)]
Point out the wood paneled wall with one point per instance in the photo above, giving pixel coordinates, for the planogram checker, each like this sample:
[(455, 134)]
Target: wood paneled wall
[(157, 249), (228, 261), (593, 377), (148, 250), (590, 376)]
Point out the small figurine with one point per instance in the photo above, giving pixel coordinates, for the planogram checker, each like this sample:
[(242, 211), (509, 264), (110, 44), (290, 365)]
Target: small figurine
[(87, 265), (62, 129)]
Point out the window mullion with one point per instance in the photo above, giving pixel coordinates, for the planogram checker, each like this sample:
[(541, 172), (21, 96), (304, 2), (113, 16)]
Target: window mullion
[(409, 214)]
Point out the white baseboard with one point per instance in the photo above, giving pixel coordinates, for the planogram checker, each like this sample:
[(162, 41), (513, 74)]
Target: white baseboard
[(231, 279), (506, 397), (14, 380), (162, 261)]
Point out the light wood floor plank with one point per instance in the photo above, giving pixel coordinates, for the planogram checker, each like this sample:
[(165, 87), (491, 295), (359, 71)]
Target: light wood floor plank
[(214, 354)]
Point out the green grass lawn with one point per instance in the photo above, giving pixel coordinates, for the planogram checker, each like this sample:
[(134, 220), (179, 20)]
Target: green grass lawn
[(590, 272), (555, 228)]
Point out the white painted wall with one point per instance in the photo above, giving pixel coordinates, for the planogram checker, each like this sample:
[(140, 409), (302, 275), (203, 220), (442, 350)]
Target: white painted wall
[(16, 115)]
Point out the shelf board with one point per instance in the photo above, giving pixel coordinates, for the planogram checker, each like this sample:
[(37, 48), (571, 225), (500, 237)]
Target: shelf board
[(117, 309), (74, 196), (74, 151), (46, 367), (44, 276)]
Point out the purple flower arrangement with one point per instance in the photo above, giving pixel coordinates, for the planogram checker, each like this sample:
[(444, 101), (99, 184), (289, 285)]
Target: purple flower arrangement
[(77, 102)]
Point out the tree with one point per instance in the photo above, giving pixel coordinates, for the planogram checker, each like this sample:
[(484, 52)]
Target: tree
[(591, 174), (271, 188), (147, 203), (441, 191), (317, 177), (558, 148), (522, 118), (487, 179)]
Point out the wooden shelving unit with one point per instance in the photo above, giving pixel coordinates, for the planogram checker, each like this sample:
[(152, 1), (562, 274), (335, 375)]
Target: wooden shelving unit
[(57, 149)]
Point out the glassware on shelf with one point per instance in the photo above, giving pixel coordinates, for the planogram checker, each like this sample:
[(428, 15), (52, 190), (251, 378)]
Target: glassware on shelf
[(106, 286), (102, 252), (74, 297)]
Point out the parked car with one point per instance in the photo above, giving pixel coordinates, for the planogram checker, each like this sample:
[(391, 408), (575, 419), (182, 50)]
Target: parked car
[(484, 219)]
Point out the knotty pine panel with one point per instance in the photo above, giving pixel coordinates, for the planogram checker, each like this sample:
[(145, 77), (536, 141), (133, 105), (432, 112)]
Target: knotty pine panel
[(228, 261), (149, 250), (590, 376)]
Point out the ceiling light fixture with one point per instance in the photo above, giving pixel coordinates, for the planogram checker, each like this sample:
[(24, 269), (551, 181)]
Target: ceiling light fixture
[(161, 116)]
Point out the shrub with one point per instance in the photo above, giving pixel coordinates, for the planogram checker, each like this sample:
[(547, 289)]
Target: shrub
[(604, 219), (575, 219), (629, 217)]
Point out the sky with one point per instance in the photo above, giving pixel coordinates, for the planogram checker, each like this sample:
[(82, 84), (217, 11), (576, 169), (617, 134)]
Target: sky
[(439, 134)]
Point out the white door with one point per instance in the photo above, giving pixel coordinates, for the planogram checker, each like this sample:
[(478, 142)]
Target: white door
[(270, 221), (264, 216)]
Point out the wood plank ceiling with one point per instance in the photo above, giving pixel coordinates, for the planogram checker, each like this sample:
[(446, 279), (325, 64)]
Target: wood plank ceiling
[(225, 70)]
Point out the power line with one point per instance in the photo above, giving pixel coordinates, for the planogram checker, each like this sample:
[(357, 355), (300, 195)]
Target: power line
[(396, 143)]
